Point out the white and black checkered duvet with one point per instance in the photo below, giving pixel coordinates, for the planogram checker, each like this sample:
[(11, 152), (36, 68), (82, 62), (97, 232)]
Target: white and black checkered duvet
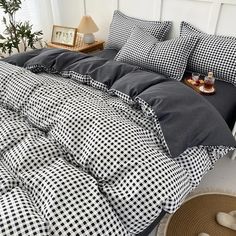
[(77, 161)]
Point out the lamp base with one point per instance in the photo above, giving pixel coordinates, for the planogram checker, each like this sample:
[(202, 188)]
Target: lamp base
[(89, 38)]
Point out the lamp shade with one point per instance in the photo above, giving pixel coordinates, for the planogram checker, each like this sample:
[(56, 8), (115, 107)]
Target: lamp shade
[(87, 25)]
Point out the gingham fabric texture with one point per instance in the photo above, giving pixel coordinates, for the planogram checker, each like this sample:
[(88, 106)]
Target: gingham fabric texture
[(212, 53), (18, 216), (168, 58), (82, 162), (122, 25)]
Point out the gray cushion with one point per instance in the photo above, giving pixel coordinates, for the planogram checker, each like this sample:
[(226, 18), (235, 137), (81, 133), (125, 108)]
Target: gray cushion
[(212, 53), (168, 58), (122, 25)]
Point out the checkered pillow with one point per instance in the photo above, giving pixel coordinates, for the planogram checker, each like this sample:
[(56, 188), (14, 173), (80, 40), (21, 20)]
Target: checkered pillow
[(122, 25), (168, 58), (212, 53)]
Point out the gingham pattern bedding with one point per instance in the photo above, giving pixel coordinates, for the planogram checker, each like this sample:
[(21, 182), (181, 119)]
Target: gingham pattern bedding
[(214, 53), (168, 58), (122, 25), (77, 161)]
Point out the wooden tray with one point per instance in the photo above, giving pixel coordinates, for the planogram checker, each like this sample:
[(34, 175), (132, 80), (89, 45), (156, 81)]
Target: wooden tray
[(198, 88)]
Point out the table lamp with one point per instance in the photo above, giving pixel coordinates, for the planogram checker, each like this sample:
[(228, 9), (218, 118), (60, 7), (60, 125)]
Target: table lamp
[(87, 26)]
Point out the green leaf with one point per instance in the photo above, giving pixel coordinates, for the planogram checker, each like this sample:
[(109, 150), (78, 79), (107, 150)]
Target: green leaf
[(16, 33)]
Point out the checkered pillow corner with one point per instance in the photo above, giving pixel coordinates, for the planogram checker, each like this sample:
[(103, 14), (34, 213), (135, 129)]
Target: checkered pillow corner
[(121, 27), (214, 53)]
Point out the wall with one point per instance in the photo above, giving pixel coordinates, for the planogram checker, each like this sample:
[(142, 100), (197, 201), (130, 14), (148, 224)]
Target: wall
[(212, 16), (69, 13)]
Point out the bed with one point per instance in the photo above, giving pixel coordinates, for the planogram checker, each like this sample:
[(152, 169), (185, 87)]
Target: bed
[(96, 146)]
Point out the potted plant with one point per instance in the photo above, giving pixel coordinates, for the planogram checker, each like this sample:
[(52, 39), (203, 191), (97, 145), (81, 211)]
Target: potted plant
[(17, 35)]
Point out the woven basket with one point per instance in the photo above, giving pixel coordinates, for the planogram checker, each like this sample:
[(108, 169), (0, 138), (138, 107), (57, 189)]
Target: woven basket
[(198, 214)]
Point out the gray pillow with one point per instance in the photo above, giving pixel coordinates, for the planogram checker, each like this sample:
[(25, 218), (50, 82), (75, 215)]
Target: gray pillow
[(212, 53), (168, 57), (122, 25)]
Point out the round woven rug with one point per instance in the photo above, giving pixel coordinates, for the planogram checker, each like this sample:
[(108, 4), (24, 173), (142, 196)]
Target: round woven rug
[(198, 214)]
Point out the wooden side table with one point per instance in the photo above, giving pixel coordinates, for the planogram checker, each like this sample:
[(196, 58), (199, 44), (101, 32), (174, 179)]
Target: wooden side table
[(81, 47)]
